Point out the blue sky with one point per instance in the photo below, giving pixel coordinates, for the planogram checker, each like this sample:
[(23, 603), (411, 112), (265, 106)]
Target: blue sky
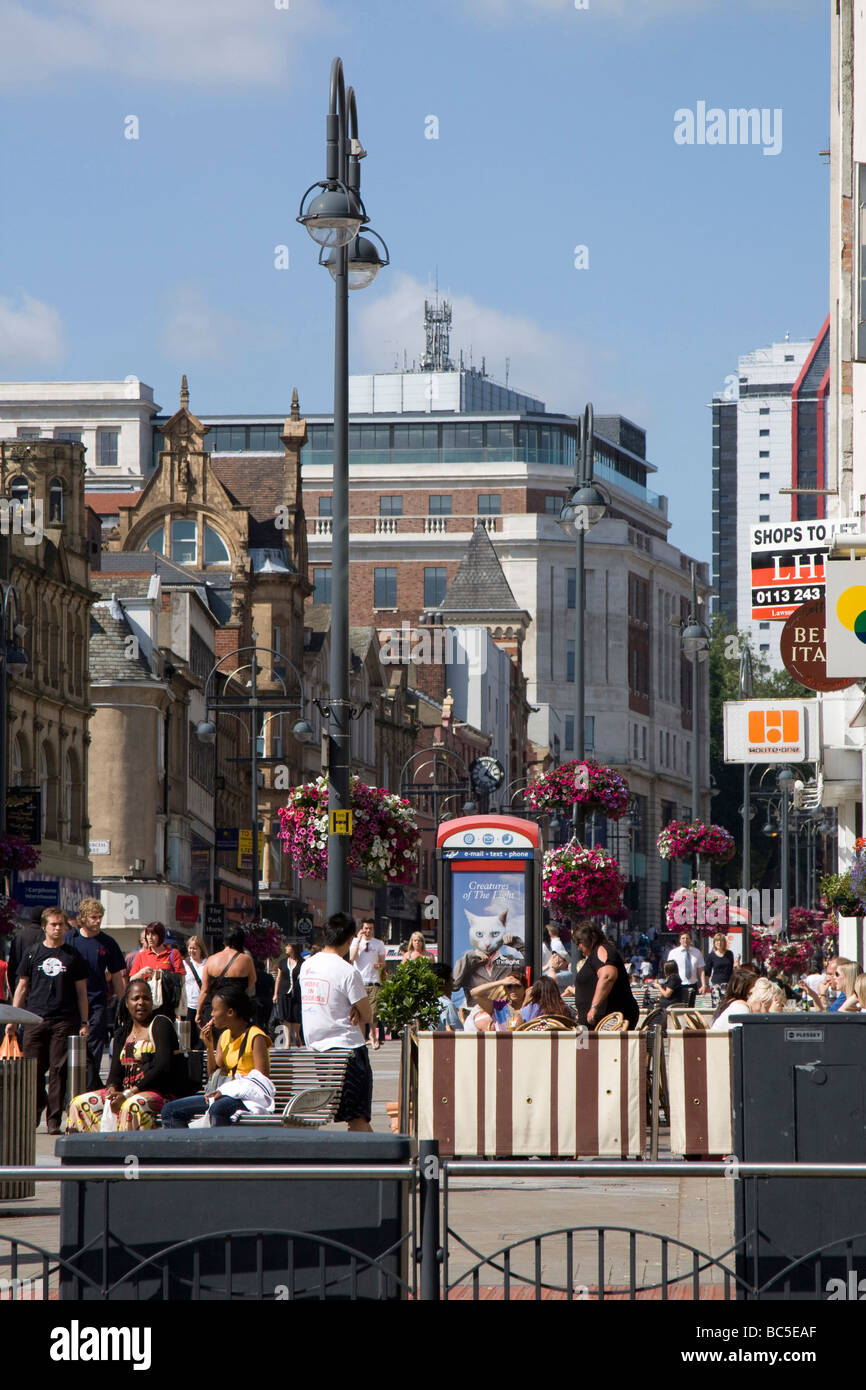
[(155, 256)]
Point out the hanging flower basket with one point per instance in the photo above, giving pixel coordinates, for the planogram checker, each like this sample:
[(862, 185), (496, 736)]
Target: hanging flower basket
[(577, 882), (385, 836), (681, 839), (588, 783), (697, 906), (838, 893), (8, 910), (17, 854), (263, 940)]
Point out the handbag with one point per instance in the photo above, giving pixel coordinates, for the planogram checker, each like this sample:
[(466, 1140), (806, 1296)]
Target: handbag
[(108, 1122), (156, 989)]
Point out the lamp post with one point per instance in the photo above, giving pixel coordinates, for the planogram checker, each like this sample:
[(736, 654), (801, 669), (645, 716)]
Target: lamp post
[(696, 644), (11, 655), (334, 218), (745, 692), (586, 505), (257, 705), (785, 782)]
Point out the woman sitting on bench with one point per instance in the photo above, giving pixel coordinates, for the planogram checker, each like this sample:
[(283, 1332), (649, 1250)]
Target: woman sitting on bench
[(242, 1048)]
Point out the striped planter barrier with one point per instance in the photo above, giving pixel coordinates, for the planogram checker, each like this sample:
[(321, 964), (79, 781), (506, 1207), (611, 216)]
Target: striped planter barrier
[(17, 1123), (506, 1095), (700, 1095)]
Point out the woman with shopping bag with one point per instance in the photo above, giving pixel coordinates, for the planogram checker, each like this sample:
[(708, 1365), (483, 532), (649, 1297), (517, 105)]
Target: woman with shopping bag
[(147, 1070)]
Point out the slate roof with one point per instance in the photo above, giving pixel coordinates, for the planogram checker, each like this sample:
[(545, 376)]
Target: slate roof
[(480, 586), (109, 659), (256, 483), (212, 586)]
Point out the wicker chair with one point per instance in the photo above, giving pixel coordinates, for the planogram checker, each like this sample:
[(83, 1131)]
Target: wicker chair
[(613, 1023), (547, 1023)]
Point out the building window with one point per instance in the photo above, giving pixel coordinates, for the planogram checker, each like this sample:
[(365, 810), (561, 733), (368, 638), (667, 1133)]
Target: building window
[(435, 584), (789, 356), (661, 747), (216, 551), (27, 433), (569, 661), (763, 453), (764, 626), (19, 489), (764, 497), (489, 503), (589, 732), (385, 587), (106, 447), (764, 518), (764, 410), (569, 731), (184, 544), (55, 501), (570, 588), (635, 736), (764, 434), (321, 585), (764, 476), (688, 756), (17, 763), (390, 506), (553, 504), (764, 647), (440, 504), (156, 542), (67, 436), (643, 742), (326, 506)]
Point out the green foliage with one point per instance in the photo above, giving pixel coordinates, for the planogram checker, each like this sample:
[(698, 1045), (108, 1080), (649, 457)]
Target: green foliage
[(837, 892), (412, 993)]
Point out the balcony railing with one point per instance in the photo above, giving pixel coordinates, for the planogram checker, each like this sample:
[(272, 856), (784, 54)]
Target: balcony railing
[(461, 522)]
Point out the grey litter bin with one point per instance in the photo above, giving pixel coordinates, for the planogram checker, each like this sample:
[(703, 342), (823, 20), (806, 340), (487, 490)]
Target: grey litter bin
[(799, 1085), (17, 1122), (370, 1216)]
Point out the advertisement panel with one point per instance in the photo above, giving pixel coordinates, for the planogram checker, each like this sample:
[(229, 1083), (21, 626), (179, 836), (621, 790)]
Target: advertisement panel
[(770, 731), (846, 618), (788, 561), (490, 876)]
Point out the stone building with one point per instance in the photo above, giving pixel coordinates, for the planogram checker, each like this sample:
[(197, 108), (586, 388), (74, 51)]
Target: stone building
[(237, 531), (46, 558)]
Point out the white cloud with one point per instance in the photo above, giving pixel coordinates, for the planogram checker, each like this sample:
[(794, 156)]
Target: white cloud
[(30, 332), (194, 331), (562, 370), (230, 42)]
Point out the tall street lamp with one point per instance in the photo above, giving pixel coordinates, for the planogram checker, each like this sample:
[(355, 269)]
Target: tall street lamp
[(745, 692), (696, 644), (785, 782), (585, 506), (259, 706), (334, 218)]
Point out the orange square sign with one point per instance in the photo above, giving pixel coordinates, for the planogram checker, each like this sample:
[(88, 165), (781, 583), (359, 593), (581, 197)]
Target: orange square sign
[(772, 727)]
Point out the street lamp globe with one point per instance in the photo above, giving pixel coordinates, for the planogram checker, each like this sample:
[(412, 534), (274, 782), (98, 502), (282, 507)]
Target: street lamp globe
[(585, 508), (303, 730), (333, 218), (205, 731), (363, 263), (696, 639)]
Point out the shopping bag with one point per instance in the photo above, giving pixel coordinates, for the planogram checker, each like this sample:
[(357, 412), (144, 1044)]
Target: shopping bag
[(9, 1049), (108, 1123)]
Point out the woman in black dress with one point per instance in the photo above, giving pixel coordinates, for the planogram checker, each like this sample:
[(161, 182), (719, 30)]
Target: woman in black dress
[(287, 993), (602, 986), (720, 965)]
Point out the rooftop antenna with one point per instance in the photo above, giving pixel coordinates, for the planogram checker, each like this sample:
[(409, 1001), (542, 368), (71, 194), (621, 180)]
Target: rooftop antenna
[(437, 335)]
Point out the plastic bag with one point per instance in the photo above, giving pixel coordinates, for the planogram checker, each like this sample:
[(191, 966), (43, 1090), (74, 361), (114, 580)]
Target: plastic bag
[(9, 1049), (108, 1123)]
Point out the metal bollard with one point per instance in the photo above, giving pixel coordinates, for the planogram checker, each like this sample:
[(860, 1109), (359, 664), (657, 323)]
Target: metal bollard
[(76, 1067), (184, 1034)]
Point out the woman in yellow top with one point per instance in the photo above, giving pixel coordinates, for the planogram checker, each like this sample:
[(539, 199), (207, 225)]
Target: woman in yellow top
[(242, 1048)]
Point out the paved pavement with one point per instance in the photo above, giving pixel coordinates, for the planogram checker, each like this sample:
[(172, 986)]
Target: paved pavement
[(488, 1213)]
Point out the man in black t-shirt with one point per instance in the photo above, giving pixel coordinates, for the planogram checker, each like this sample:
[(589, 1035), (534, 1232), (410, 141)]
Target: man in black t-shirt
[(52, 982), (102, 956)]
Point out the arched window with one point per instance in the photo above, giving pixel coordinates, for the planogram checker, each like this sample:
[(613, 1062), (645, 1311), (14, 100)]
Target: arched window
[(19, 488), (55, 502), (48, 787), (184, 542), (72, 799), (215, 549), (17, 762), (156, 542)]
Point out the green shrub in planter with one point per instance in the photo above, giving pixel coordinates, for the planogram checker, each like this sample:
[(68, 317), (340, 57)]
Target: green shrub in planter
[(838, 893), (412, 993)]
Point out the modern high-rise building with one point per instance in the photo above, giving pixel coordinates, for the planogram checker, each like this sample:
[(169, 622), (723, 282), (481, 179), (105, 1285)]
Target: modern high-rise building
[(755, 467)]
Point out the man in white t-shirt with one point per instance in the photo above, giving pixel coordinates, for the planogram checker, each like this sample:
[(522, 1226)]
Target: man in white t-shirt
[(689, 962), (335, 1008), (368, 953)]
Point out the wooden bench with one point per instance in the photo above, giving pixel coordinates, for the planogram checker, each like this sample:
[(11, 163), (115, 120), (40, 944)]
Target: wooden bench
[(308, 1087)]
